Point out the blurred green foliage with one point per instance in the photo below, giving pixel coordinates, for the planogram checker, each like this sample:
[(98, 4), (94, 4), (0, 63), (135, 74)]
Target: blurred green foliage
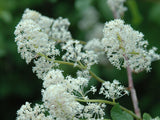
[(118, 114), (17, 82)]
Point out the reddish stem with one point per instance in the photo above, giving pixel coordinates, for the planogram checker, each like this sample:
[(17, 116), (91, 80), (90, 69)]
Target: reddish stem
[(133, 92), (130, 83)]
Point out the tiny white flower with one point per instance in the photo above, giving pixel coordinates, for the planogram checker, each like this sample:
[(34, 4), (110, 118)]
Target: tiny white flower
[(94, 111), (75, 53), (112, 90), (26, 112), (93, 89), (125, 46)]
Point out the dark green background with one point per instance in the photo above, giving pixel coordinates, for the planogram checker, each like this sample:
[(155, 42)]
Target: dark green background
[(17, 82)]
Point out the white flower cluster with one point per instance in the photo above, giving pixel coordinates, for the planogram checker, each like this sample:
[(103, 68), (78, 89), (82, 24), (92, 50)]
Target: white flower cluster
[(125, 46), (84, 74), (113, 90), (95, 45), (54, 28), (59, 30), (59, 100), (61, 103), (39, 34), (42, 66), (59, 97), (32, 36), (26, 112), (37, 37), (117, 7), (74, 53), (94, 111), (53, 77)]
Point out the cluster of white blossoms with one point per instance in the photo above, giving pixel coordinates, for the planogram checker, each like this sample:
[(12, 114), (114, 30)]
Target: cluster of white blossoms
[(58, 95), (74, 53), (26, 112), (39, 34), (94, 110), (113, 90), (95, 45), (117, 7), (32, 36), (37, 38), (59, 30), (43, 66), (126, 47), (59, 100), (61, 103)]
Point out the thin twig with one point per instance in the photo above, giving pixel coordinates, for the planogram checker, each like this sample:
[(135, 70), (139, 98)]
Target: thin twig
[(132, 90), (72, 64)]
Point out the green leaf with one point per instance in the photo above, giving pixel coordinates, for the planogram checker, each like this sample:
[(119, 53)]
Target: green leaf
[(118, 114), (146, 116)]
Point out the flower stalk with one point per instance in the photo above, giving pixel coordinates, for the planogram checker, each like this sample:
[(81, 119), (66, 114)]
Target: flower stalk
[(130, 81), (110, 103), (133, 92), (72, 64)]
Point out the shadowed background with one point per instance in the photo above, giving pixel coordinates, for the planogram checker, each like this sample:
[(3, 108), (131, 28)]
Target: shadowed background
[(19, 84)]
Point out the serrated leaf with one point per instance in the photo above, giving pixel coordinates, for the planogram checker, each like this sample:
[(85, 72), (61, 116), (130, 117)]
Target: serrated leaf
[(146, 116), (118, 114)]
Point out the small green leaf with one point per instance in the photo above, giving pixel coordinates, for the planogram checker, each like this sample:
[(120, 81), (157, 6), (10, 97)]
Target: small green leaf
[(118, 114), (146, 116)]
